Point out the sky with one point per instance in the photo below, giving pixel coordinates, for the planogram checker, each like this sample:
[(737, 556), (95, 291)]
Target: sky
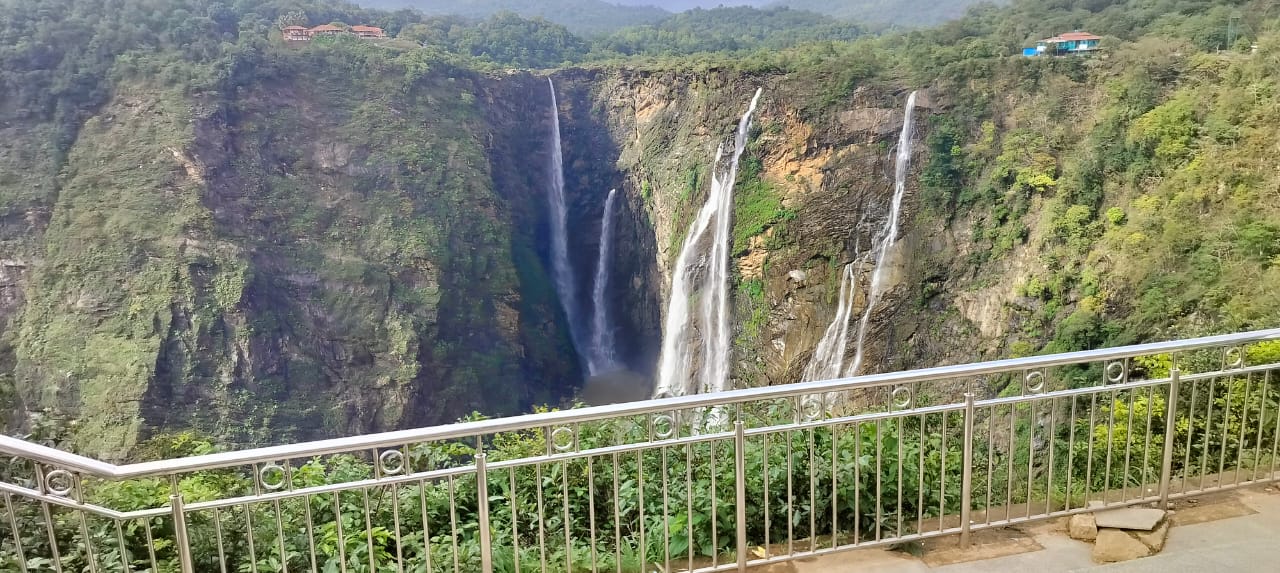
[(678, 5)]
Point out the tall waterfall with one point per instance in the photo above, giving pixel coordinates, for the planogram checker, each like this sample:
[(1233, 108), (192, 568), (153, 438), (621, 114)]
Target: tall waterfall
[(603, 357), (704, 270), (561, 267), (890, 234)]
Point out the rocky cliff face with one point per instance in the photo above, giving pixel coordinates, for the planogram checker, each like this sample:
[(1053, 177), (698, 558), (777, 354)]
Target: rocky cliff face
[(319, 255)]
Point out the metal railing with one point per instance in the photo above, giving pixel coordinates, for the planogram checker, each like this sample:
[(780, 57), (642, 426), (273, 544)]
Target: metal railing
[(714, 482)]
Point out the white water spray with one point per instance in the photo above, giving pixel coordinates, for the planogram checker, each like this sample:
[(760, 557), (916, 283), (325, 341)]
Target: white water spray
[(890, 234), (704, 271), (603, 355), (828, 358), (561, 267)]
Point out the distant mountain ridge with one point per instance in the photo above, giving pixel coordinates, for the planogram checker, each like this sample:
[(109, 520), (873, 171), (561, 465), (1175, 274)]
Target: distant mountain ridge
[(587, 17), (901, 12)]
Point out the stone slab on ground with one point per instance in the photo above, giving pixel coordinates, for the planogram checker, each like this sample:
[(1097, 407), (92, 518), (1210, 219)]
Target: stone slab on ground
[(1114, 545), (1082, 527), (1136, 518), (1154, 539)]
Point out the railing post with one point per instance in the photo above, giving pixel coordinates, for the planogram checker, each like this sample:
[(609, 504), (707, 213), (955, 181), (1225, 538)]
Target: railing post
[(740, 484), (180, 536), (482, 499), (966, 480), (1170, 429)]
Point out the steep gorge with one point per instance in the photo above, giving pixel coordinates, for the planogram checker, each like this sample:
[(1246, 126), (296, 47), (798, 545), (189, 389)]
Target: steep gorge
[(321, 252)]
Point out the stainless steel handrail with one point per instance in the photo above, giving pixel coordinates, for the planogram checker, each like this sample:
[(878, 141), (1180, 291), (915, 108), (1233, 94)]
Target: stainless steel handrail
[(88, 466)]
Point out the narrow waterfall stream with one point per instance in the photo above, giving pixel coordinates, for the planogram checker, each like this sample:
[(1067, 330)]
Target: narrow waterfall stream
[(561, 266), (889, 235), (603, 356), (828, 358), (703, 270)]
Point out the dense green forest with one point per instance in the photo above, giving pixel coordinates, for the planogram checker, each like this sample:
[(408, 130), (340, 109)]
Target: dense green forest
[(588, 17)]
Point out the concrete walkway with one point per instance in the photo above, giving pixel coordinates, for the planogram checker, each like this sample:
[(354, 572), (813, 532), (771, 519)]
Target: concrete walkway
[(1230, 531)]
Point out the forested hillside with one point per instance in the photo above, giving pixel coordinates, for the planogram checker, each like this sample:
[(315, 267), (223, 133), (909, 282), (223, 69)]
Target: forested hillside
[(204, 227), (899, 12), (588, 17)]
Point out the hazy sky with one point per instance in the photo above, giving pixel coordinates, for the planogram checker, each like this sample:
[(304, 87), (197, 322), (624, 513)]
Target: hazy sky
[(676, 5)]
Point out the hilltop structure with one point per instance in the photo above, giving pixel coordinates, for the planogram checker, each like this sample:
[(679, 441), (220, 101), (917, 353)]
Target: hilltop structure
[(1076, 42), (303, 34)]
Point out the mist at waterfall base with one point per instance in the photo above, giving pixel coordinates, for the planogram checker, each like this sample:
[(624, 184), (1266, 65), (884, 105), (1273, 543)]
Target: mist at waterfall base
[(828, 358), (695, 348)]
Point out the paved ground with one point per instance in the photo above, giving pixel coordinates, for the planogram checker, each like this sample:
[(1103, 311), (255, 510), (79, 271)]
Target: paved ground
[(1237, 532)]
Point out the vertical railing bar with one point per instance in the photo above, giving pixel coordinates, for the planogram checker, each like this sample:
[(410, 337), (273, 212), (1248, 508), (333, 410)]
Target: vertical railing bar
[(1262, 415), (765, 458), (813, 496), (564, 495), (1208, 427), (311, 534), (1088, 467), (1052, 440), (617, 517), (1008, 489), (181, 537), (368, 525), (1032, 423), (1191, 431), (857, 483), (942, 477), (740, 489), (1071, 450), (591, 512), (17, 538), (1111, 426), (43, 486), (835, 491), (920, 475), (217, 533), (515, 520), (966, 477), (666, 512), (542, 518), (879, 482), (1226, 431), (84, 527), (644, 545), (482, 503), (688, 474), (1128, 448), (991, 462), (426, 520), (248, 525), (342, 537), (1170, 429), (1244, 421), (1146, 447), (453, 528), (1275, 440), (791, 496)]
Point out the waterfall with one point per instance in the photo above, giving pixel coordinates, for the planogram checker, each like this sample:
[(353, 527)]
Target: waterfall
[(704, 270), (561, 267), (828, 358), (890, 234), (602, 358)]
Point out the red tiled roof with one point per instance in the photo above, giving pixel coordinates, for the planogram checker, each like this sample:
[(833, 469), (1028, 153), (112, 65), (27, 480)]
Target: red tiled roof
[(366, 29), (326, 28)]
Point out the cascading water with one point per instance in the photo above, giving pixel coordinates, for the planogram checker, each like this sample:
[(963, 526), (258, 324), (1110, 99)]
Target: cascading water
[(603, 356), (890, 234), (828, 358), (705, 271), (561, 267)]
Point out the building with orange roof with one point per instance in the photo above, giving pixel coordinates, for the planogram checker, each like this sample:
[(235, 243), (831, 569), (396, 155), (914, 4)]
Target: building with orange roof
[(368, 32)]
